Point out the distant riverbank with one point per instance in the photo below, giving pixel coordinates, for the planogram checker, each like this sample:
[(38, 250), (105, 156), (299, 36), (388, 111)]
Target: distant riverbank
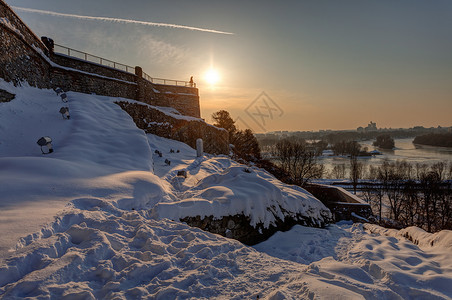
[(434, 139)]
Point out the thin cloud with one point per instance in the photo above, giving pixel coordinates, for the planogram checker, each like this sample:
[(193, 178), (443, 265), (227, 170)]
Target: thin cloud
[(160, 51), (116, 20)]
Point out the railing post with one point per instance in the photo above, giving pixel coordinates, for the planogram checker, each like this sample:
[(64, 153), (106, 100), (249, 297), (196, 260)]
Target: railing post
[(139, 71)]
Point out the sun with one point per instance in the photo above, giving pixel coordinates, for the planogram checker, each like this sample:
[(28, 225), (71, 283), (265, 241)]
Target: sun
[(212, 76)]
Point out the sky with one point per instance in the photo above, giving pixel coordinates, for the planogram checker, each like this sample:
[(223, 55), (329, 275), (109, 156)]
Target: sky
[(292, 65)]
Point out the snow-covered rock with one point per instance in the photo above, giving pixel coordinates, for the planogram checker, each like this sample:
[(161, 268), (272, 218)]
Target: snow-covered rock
[(254, 201)]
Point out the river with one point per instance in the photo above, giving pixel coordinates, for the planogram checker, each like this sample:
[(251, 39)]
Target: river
[(404, 150)]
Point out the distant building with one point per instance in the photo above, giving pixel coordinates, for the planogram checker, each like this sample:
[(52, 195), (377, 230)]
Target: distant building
[(370, 127)]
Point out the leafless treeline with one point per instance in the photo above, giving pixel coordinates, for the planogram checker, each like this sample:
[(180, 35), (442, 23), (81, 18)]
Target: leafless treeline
[(414, 194), (399, 192)]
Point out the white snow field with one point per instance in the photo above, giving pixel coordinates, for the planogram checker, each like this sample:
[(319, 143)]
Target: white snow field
[(97, 219)]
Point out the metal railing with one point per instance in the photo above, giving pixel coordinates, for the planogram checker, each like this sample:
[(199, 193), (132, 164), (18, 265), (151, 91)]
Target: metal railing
[(119, 66), (93, 58), (169, 81)]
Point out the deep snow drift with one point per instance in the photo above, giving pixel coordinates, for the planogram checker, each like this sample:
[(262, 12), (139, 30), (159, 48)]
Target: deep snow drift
[(92, 220), (234, 189)]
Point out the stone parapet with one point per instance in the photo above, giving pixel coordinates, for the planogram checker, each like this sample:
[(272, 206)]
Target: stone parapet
[(90, 67), (86, 83), (174, 89)]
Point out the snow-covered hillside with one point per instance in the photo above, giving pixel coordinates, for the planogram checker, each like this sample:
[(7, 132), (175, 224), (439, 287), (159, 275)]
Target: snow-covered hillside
[(97, 219)]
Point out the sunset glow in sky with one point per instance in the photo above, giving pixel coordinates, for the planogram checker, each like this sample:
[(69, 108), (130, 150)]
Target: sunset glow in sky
[(322, 64)]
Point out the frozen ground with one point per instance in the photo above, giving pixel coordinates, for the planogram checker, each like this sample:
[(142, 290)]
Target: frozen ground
[(91, 220)]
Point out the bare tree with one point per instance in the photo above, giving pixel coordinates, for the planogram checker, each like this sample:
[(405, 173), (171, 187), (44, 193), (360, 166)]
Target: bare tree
[(298, 161), (421, 170), (411, 208), (373, 193), (338, 171), (449, 171), (392, 185), (373, 172), (440, 168), (446, 206), (430, 186), (356, 171)]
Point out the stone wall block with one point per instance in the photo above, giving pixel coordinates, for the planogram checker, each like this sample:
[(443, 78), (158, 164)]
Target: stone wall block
[(156, 122)]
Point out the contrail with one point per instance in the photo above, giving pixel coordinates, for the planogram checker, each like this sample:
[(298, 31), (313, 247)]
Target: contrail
[(116, 20)]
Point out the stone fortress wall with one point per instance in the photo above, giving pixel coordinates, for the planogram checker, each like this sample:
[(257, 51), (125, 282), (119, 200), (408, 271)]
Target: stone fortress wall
[(20, 48), (25, 58)]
